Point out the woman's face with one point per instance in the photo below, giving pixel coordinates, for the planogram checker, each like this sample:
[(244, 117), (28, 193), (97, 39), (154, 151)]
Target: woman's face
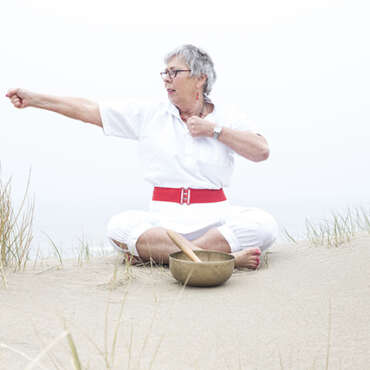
[(181, 89)]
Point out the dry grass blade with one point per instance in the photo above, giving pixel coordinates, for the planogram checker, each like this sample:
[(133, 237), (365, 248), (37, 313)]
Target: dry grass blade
[(289, 237), (3, 276), (116, 331), (91, 341), (35, 361), (266, 259), (156, 351), (56, 250), (75, 357), (84, 253), (107, 356), (130, 347), (146, 339), (28, 358), (106, 359), (49, 354), (15, 227), (110, 361)]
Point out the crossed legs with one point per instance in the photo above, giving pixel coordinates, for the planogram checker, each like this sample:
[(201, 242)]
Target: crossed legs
[(243, 232), (154, 243)]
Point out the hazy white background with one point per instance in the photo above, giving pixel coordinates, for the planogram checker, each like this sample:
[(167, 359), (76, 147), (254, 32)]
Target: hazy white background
[(299, 68)]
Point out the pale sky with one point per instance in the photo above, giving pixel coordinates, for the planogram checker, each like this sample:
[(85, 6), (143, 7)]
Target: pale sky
[(300, 69)]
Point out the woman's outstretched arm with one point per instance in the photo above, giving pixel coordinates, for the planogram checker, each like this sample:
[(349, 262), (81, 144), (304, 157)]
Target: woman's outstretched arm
[(77, 108)]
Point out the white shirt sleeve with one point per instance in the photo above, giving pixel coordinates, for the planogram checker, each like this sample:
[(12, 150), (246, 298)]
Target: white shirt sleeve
[(124, 119)]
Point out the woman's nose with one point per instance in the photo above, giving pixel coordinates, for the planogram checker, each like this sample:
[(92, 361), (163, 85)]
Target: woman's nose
[(167, 78)]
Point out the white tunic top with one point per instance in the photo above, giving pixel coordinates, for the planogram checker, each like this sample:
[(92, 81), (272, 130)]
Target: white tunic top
[(170, 156)]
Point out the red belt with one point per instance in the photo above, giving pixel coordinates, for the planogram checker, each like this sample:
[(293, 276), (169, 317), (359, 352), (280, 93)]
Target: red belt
[(188, 195)]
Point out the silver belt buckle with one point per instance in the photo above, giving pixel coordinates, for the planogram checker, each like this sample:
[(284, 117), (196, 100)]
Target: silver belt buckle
[(185, 196)]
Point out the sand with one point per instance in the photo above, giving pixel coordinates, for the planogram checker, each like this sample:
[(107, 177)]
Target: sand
[(306, 308)]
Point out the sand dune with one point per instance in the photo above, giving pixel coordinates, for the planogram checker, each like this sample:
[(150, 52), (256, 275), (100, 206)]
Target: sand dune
[(306, 308)]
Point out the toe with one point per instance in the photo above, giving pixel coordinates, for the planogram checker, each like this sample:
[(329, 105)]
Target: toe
[(258, 251), (254, 251), (255, 262)]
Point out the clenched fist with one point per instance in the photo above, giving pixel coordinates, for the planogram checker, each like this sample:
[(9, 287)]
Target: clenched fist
[(200, 127), (20, 98)]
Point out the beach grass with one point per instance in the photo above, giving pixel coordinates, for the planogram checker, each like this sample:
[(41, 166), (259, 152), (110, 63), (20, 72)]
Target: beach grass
[(112, 346), (84, 253), (16, 232), (334, 231), (57, 252)]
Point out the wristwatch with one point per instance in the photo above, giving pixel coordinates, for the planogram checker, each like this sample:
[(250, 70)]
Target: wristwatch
[(217, 131)]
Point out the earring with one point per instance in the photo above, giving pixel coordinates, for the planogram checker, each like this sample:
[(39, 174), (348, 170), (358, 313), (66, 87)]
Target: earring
[(197, 96)]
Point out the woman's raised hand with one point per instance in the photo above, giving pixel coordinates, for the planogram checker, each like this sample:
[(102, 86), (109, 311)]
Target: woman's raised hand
[(20, 98), (200, 127)]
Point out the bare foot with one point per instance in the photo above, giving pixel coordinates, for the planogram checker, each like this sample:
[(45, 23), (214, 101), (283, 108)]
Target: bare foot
[(132, 260), (249, 258), (128, 257)]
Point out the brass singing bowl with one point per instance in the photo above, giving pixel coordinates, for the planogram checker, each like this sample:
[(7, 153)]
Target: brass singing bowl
[(215, 268)]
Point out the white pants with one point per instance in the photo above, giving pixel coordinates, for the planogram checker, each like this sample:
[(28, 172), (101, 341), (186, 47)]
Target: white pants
[(240, 226)]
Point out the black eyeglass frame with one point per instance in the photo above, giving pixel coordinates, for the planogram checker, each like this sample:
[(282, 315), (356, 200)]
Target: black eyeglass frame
[(172, 73)]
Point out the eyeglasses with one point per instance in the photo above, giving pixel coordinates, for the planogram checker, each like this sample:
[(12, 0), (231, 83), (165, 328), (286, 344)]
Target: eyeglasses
[(172, 73)]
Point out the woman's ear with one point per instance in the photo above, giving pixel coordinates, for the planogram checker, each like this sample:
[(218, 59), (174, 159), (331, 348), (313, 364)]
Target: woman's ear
[(201, 81)]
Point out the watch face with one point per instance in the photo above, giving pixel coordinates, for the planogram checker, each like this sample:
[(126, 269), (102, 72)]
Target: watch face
[(217, 132)]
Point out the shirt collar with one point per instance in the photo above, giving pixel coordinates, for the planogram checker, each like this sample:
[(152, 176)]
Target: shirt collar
[(173, 110)]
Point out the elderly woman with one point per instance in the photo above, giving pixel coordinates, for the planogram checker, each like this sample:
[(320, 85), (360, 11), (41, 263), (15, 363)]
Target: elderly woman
[(187, 145)]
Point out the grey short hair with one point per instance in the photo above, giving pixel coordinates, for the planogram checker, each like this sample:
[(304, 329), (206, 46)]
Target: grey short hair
[(198, 61)]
